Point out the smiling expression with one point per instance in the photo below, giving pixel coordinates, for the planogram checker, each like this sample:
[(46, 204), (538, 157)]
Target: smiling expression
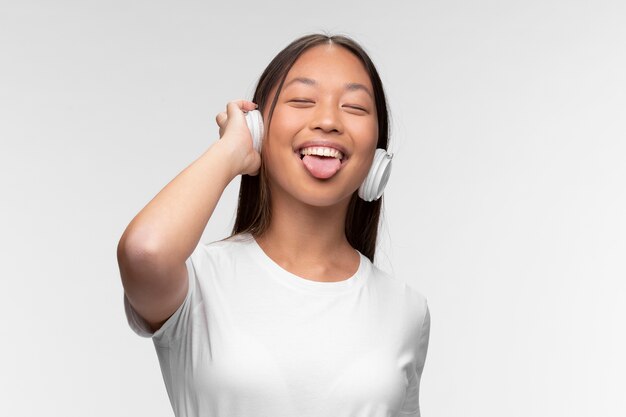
[(327, 98)]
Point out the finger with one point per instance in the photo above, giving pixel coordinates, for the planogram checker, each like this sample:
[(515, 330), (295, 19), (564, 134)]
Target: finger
[(221, 119), (249, 105), (246, 105), (241, 105)]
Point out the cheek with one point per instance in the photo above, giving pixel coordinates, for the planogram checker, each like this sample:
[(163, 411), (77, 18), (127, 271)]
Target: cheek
[(366, 132), (284, 126), (282, 132)]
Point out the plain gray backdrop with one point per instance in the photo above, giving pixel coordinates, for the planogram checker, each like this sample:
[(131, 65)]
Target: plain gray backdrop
[(506, 206)]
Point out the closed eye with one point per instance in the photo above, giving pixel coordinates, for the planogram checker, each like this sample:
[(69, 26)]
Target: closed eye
[(357, 110), (307, 101), (301, 101)]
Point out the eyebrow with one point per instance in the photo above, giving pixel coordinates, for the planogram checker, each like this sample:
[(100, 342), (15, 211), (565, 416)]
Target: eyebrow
[(348, 86)]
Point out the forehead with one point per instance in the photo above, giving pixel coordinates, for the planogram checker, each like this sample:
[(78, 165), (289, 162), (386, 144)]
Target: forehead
[(329, 64)]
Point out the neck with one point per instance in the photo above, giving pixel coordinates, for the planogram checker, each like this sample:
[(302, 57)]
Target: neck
[(304, 234)]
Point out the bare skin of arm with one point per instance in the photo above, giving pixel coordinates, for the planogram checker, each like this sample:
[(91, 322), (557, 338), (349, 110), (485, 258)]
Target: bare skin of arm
[(153, 249)]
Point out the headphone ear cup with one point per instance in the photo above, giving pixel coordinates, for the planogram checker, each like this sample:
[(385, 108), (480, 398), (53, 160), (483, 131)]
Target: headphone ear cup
[(374, 184), (255, 125)]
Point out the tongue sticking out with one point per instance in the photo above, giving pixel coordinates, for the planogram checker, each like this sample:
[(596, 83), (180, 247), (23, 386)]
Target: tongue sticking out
[(321, 166)]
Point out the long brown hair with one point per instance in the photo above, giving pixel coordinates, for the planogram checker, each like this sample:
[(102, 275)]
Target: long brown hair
[(254, 212)]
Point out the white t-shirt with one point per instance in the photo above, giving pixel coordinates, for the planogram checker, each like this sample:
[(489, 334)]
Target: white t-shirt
[(252, 339)]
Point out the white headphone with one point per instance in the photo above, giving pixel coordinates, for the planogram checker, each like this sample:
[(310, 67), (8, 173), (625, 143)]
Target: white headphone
[(372, 187)]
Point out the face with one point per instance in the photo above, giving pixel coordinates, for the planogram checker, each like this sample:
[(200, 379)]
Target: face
[(327, 96)]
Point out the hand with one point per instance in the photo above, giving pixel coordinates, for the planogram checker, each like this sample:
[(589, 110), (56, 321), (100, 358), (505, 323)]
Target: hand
[(235, 134)]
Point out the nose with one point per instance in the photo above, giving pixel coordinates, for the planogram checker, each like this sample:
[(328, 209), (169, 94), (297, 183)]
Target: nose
[(327, 117)]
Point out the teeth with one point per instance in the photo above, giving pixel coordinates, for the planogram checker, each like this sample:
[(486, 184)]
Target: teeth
[(321, 151)]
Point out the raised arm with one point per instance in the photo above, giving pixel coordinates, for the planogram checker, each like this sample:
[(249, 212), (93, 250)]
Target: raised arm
[(153, 249)]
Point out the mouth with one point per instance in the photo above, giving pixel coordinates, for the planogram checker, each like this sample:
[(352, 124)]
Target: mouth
[(321, 165), (333, 153)]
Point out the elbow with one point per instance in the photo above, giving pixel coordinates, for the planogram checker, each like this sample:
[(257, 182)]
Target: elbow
[(136, 248), (136, 243)]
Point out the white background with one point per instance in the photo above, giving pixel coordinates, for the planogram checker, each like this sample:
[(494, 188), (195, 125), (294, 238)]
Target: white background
[(506, 206)]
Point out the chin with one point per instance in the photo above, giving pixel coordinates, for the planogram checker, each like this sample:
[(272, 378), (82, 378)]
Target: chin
[(322, 195), (322, 203)]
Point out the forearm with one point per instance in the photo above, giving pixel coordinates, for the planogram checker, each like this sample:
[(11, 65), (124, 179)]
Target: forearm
[(172, 223)]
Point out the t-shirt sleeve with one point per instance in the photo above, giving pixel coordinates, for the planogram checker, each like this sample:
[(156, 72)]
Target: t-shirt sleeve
[(178, 322), (411, 403), (422, 345)]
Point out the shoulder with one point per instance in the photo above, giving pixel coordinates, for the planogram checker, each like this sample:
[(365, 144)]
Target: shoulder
[(226, 246), (396, 283), (220, 252), (404, 293)]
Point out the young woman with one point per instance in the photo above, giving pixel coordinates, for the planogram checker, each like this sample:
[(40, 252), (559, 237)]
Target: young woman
[(288, 316)]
